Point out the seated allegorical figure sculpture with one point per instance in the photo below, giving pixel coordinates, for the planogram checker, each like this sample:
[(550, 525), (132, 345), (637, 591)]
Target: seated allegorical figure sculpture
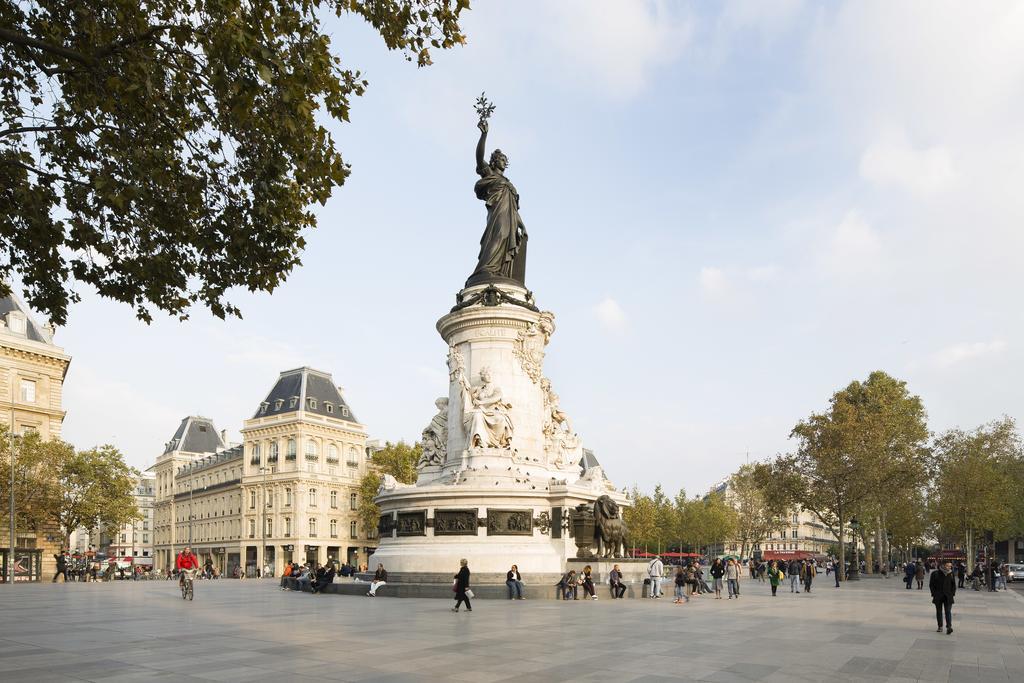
[(435, 436), (487, 422)]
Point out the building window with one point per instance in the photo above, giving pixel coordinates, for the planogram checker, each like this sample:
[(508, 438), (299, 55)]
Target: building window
[(263, 407), (353, 531), (287, 497), (334, 528), (294, 402), (344, 411), (334, 499), (330, 408), (124, 538), (270, 499), (287, 526), (312, 528), (252, 499), (28, 391), (270, 527), (352, 501), (796, 518), (312, 498), (145, 525), (252, 528), (312, 452), (332, 454), (272, 453), (352, 460), (312, 404), (278, 403), (291, 449)]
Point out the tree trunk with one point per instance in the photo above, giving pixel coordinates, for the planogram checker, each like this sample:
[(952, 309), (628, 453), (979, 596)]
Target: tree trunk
[(842, 549), (968, 550), (880, 546)]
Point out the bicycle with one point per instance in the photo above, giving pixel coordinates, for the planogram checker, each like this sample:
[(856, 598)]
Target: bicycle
[(188, 579)]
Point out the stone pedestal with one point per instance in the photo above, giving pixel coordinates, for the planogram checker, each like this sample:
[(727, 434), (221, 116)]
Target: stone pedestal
[(498, 488)]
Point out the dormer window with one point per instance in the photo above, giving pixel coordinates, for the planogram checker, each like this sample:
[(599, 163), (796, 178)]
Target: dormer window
[(263, 407), (312, 404), (344, 411), (16, 322), (330, 408), (294, 402), (278, 403)]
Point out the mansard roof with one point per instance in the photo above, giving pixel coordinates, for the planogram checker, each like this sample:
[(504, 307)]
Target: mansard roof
[(306, 389), (195, 435), (33, 330)]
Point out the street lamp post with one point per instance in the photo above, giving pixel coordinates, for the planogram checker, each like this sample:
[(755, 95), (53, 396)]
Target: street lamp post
[(854, 573), (13, 530)]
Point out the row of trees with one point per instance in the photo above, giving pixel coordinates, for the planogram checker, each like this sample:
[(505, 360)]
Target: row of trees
[(656, 522), (56, 486), (871, 471), (870, 457)]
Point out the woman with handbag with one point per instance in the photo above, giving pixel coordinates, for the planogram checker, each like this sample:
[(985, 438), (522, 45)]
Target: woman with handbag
[(461, 587)]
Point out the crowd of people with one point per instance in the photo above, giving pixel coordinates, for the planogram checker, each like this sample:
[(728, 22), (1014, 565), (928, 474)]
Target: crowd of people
[(76, 567)]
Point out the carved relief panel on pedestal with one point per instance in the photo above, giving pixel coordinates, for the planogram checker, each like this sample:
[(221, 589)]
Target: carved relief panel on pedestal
[(412, 523), (455, 522), (509, 522)]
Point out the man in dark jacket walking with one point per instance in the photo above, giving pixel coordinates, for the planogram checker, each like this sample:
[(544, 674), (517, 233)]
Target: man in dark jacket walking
[(62, 566), (942, 585)]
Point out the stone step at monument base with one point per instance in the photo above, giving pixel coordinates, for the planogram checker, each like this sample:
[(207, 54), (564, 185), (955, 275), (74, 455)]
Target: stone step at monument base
[(444, 591)]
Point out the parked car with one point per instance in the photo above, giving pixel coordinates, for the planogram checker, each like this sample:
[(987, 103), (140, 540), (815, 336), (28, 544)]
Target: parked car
[(1016, 572)]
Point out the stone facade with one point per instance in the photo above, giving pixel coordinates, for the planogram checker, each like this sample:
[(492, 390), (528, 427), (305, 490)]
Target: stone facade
[(288, 492), (32, 371)]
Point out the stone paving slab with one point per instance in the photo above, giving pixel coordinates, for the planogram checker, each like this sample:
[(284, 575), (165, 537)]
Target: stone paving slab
[(251, 631)]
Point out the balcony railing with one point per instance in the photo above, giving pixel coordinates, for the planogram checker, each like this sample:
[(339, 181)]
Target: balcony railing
[(312, 457), (290, 456)]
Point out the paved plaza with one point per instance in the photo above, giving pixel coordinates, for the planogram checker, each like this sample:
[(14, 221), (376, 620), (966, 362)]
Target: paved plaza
[(250, 631)]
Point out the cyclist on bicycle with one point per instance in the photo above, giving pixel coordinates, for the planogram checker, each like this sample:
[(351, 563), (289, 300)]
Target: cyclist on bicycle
[(186, 560)]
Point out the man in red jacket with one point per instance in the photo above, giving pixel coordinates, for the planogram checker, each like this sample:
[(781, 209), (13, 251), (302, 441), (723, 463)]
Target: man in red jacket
[(186, 560)]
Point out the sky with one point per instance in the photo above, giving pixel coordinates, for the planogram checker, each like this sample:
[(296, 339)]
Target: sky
[(734, 210)]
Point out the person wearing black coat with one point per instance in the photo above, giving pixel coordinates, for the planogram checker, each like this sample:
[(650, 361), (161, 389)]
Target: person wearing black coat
[(62, 567), (461, 586), (942, 585), (324, 577)]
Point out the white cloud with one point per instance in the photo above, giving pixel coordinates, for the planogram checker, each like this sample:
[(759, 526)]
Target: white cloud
[(714, 283), (922, 171), (959, 353), (765, 273), (852, 248), (613, 45), (610, 314)]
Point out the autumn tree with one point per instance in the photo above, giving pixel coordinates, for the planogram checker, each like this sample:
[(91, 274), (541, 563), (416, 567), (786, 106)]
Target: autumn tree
[(397, 459), (36, 485), (757, 514), (96, 491), (975, 481), (641, 518), (166, 151)]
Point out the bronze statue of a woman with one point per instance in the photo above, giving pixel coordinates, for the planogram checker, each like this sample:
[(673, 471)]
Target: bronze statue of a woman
[(503, 245)]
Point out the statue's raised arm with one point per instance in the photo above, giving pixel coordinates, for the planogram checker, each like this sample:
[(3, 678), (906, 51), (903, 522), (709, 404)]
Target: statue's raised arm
[(503, 245), (481, 165)]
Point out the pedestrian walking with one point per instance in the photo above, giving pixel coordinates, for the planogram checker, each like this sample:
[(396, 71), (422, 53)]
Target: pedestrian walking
[(943, 587), (908, 575), (774, 577), (62, 566), (961, 574), (993, 572), (461, 587), (794, 576), (681, 586), (732, 578), (717, 572), (809, 573), (1004, 576), (655, 570), (919, 573)]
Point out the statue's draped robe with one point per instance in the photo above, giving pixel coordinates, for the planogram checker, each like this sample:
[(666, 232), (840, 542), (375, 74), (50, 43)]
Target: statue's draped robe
[(487, 418), (503, 245)]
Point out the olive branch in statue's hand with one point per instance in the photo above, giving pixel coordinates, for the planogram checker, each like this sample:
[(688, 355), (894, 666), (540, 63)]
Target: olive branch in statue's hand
[(484, 109)]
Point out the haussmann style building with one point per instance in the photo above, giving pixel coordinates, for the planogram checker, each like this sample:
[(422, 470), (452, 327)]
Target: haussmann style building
[(32, 371), (287, 493)]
